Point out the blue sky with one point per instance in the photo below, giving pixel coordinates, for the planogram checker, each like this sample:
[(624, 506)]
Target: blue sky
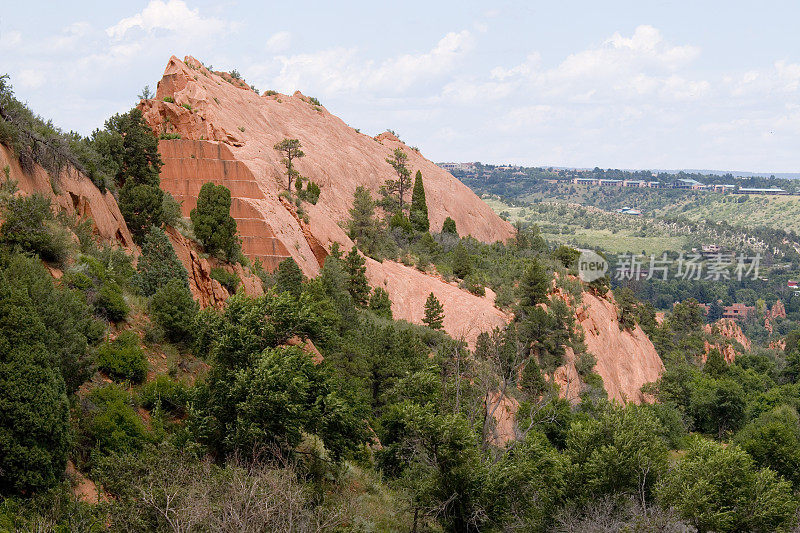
[(620, 84)]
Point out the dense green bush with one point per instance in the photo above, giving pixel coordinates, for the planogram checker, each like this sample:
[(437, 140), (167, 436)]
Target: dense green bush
[(173, 308), (34, 427), (718, 488), (111, 424), (158, 263), (229, 280), (141, 206), (122, 358), (212, 220), (165, 393), (289, 277), (29, 223), (110, 302)]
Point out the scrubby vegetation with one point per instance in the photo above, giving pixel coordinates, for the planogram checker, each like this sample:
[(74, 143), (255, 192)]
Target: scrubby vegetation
[(309, 407)]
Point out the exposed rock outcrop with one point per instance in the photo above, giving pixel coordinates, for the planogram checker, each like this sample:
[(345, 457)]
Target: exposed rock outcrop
[(729, 329), (626, 359), (240, 128), (208, 292), (73, 193), (227, 133)]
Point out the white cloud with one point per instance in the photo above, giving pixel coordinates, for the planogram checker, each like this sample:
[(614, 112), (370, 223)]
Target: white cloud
[(781, 78), (10, 40), (279, 42), (172, 16), (30, 79), (340, 70)]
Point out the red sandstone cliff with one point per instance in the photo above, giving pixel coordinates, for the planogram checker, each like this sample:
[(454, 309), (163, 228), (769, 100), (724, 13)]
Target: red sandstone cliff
[(74, 193), (626, 359), (227, 136), (728, 328)]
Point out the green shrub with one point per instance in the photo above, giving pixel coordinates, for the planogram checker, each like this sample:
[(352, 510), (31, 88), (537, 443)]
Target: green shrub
[(168, 394), (169, 136), (29, 224), (158, 263), (110, 302), (169, 99), (449, 226), (114, 426), (212, 220), (142, 207), (229, 280), (314, 101), (380, 303), (173, 309), (474, 285), (123, 358), (399, 220), (461, 262), (171, 211)]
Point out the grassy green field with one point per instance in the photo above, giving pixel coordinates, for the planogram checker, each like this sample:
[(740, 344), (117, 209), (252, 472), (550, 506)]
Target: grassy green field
[(629, 234), (781, 212)]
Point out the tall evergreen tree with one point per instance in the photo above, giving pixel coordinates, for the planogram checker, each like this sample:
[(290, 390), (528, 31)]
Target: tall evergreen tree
[(290, 148), (212, 220), (434, 313), (462, 264), (289, 277), (400, 186), (129, 152), (419, 207), (534, 286), (363, 227), (356, 268), (158, 264)]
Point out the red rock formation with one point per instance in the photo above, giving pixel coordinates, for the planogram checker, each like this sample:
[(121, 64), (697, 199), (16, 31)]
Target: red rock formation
[(207, 291), (244, 127), (74, 193), (777, 311), (227, 137), (729, 329), (626, 360), (465, 315)]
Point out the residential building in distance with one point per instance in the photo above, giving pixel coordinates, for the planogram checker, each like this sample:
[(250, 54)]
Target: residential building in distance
[(737, 311)]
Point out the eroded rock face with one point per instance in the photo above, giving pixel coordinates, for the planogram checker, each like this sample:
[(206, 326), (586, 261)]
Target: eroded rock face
[(208, 292), (74, 193), (728, 328), (240, 129), (626, 359), (227, 133)]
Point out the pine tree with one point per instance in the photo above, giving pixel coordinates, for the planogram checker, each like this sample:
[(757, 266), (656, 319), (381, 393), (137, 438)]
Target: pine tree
[(449, 226), (158, 264), (356, 268), (212, 220), (462, 264), (290, 148), (419, 207), (380, 303), (534, 285), (363, 227), (400, 186), (289, 277), (434, 313)]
